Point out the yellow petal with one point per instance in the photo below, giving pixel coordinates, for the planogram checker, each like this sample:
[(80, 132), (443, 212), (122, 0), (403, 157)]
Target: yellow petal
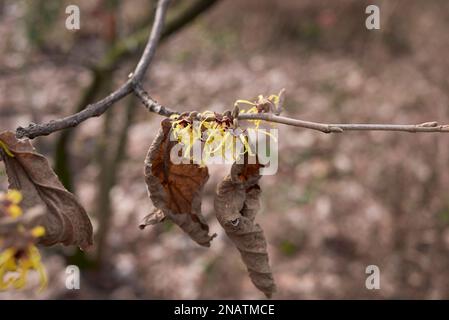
[(35, 258), (6, 255), (20, 281), (11, 265), (247, 147), (4, 284), (5, 147), (14, 210), (15, 196), (38, 231), (43, 277), (244, 102), (274, 98), (268, 134)]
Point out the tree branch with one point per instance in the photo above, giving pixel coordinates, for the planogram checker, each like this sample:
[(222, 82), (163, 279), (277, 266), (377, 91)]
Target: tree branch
[(330, 127), (93, 110), (151, 104), (154, 106), (98, 108), (134, 85)]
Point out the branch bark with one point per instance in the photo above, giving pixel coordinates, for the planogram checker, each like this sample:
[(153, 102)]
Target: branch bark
[(154, 106), (93, 110), (342, 127), (151, 104)]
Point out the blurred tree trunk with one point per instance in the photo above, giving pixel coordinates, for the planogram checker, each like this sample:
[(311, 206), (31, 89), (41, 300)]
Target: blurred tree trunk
[(110, 166)]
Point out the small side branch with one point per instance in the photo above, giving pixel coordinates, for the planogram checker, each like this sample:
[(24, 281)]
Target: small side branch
[(151, 104)]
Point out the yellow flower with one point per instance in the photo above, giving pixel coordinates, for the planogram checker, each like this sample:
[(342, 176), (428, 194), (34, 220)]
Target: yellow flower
[(262, 105), (9, 203), (217, 132), (20, 262), (38, 231), (18, 253), (6, 149), (14, 196), (14, 210)]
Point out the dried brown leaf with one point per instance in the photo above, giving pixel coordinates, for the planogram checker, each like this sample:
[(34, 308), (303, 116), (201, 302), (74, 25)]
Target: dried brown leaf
[(155, 217), (175, 189), (236, 205), (65, 220)]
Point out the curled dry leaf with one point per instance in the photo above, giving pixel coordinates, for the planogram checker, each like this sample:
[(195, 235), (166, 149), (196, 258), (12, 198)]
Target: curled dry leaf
[(175, 189), (155, 217), (65, 220), (236, 205)]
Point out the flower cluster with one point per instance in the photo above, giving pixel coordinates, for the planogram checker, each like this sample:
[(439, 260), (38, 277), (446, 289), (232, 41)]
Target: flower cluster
[(220, 134), (18, 252), (262, 105), (216, 133)]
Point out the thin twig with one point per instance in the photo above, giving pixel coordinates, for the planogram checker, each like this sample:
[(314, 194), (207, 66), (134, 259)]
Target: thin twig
[(98, 108), (151, 104), (422, 127), (330, 127), (289, 121)]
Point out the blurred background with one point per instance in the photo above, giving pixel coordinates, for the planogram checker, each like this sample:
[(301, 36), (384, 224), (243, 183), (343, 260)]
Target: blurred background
[(338, 202)]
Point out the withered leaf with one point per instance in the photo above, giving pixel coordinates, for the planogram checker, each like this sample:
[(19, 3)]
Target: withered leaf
[(65, 220), (175, 189), (236, 205)]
